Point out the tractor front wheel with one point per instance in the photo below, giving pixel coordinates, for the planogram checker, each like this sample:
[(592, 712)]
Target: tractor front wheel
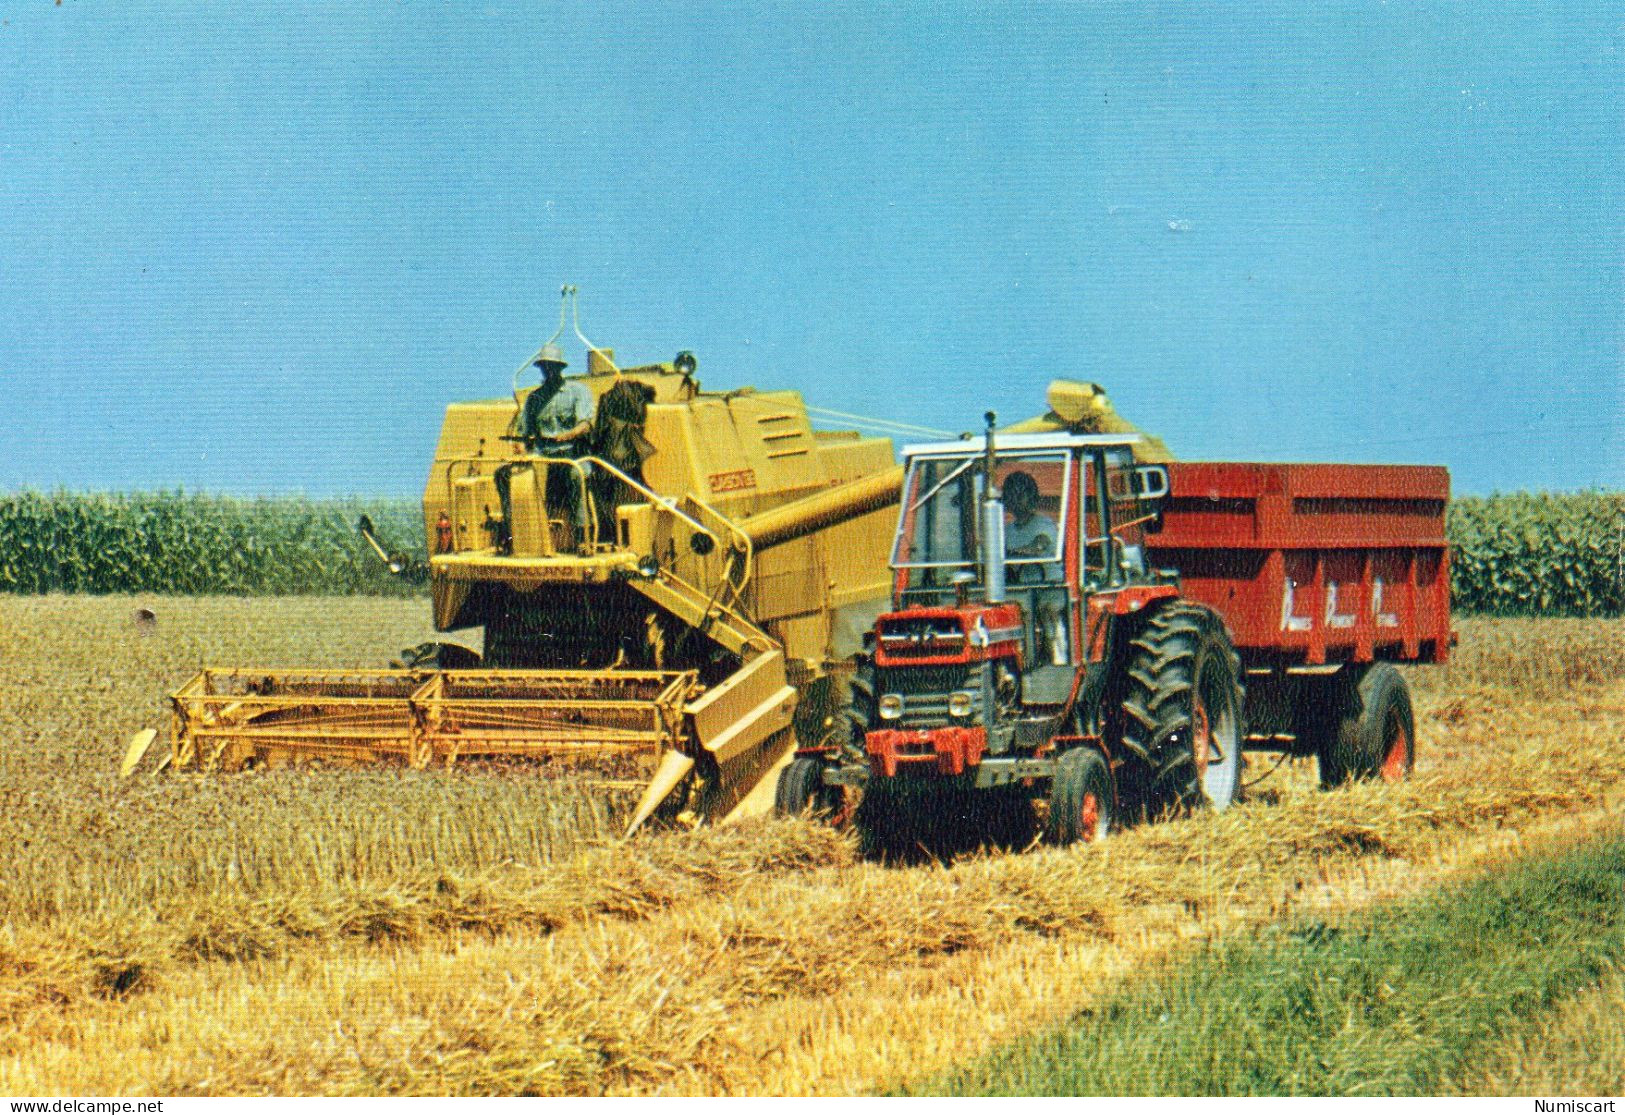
[(1375, 735), (1082, 804), (801, 790)]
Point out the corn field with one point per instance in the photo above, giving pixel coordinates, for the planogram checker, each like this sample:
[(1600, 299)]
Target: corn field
[(180, 544), (1514, 555), (1539, 554)]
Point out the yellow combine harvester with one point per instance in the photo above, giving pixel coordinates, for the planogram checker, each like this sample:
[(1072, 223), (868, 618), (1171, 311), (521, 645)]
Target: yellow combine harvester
[(726, 563), (668, 612)]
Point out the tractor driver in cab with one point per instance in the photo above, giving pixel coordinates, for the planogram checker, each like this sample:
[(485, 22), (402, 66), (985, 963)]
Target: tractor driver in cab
[(556, 422), (1029, 534)]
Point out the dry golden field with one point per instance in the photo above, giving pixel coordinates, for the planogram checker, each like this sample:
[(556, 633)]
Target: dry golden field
[(482, 931)]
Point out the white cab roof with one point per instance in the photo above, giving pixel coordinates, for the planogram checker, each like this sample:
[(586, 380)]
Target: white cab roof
[(1015, 443)]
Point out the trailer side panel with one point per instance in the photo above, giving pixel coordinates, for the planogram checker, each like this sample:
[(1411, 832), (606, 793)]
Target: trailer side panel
[(1314, 564)]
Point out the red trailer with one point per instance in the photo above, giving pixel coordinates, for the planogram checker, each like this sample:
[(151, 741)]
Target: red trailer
[(1314, 564), (1108, 637)]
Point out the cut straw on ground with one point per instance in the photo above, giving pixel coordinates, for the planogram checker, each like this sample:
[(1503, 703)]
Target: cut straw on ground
[(761, 960)]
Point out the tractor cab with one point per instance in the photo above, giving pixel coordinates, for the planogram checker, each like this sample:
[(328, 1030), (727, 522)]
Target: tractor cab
[(1063, 519)]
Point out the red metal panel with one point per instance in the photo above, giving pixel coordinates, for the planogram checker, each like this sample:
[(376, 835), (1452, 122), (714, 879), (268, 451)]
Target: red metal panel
[(1314, 563), (949, 751), (1270, 506), (1000, 623)]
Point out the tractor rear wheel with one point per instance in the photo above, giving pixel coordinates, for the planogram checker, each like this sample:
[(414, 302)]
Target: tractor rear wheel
[(1182, 712), (1082, 805), (1375, 736)]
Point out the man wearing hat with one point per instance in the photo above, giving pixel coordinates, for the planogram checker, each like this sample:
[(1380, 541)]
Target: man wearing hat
[(558, 415), (556, 421)]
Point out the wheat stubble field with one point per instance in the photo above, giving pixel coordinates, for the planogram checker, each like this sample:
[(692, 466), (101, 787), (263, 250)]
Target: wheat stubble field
[(327, 931)]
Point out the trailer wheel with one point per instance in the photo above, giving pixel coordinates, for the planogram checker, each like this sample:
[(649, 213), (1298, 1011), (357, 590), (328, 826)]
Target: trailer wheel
[(1182, 723), (1082, 805), (1376, 734)]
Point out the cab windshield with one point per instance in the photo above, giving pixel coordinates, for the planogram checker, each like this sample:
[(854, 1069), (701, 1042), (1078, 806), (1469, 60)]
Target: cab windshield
[(938, 533)]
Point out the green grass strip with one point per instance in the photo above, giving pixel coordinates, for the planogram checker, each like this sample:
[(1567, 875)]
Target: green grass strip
[(1389, 1003)]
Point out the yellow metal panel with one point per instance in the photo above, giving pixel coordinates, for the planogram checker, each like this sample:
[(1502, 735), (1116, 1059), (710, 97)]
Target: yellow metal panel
[(847, 458), (806, 637), (856, 555), (671, 470), (789, 580), (474, 500), (470, 445), (637, 526), (753, 703), (531, 534), (449, 597), (529, 571)]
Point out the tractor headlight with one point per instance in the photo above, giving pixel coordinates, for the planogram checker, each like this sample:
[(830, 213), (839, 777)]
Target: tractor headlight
[(648, 567), (890, 706), (961, 704)]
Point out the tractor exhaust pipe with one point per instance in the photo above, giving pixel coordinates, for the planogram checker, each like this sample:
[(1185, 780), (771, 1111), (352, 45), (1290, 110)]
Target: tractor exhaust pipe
[(992, 524), (992, 574)]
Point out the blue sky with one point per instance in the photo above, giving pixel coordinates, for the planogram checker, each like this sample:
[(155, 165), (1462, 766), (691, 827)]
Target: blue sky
[(257, 248)]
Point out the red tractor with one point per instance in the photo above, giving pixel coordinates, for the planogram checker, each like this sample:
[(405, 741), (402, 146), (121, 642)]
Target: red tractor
[(1108, 638)]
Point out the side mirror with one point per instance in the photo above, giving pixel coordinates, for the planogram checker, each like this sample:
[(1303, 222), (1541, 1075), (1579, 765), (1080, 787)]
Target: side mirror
[(1150, 482), (1151, 485)]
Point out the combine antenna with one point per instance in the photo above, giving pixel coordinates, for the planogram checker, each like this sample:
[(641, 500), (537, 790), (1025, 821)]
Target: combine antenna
[(567, 297), (567, 294)]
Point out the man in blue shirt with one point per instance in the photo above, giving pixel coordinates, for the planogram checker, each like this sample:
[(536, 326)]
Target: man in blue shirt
[(1029, 534), (555, 422), (558, 415)]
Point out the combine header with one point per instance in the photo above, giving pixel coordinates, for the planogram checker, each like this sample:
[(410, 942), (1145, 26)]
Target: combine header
[(225, 719)]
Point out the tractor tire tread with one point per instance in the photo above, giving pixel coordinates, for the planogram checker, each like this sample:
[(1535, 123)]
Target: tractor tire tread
[(1161, 678)]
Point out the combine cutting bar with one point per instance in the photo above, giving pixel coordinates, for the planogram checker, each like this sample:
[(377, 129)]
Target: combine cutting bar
[(225, 719)]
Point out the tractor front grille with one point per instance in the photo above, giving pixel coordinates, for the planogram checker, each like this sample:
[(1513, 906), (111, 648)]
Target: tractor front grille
[(925, 692)]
